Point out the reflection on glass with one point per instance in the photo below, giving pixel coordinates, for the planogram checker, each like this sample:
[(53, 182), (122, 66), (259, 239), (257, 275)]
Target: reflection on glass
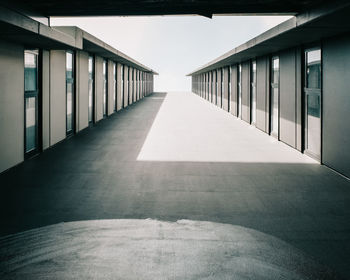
[(30, 104), (91, 88), (104, 88), (239, 85), (313, 124), (114, 86), (274, 95), (69, 91), (313, 69), (30, 71), (69, 106), (253, 91)]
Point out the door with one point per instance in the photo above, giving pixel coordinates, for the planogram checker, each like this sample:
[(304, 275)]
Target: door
[(239, 91), (105, 88), (312, 103), (91, 89), (69, 92), (274, 100), (253, 92), (31, 102)]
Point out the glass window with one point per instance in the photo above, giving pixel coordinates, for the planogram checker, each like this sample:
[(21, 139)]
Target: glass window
[(69, 92), (313, 69), (274, 95), (239, 89), (91, 87), (30, 71), (104, 88), (253, 92)]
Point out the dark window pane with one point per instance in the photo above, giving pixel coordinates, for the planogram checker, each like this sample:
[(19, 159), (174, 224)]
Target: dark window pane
[(30, 71), (30, 123), (313, 69)]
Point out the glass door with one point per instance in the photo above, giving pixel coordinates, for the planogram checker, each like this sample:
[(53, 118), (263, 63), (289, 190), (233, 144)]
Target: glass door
[(31, 95), (229, 88), (122, 85), (274, 100), (105, 89), (239, 91), (91, 89), (312, 101), (253, 92), (69, 92)]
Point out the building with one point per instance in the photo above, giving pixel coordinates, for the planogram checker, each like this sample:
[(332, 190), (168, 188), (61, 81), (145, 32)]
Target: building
[(55, 82), (291, 82)]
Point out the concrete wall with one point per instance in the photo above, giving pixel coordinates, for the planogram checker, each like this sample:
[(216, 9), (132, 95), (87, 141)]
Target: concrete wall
[(11, 105), (82, 90), (219, 103), (225, 89), (126, 88), (134, 86), (287, 97), (246, 91), (119, 86), (262, 93), (99, 87), (234, 85), (336, 104), (45, 99), (57, 96), (131, 93), (111, 93)]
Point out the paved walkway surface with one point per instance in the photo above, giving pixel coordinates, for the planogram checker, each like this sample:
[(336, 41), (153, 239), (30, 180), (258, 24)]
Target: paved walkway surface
[(175, 156)]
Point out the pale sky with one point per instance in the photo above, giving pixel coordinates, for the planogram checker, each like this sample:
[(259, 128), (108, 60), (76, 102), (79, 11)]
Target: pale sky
[(174, 45)]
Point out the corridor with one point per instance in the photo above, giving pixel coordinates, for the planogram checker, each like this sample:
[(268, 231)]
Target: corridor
[(174, 157)]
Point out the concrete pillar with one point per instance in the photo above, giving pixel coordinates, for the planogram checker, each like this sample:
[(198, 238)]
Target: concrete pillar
[(45, 99), (57, 96), (130, 89), (119, 87), (135, 85), (82, 90), (234, 85), (111, 90), (225, 89), (126, 86), (99, 87), (11, 105)]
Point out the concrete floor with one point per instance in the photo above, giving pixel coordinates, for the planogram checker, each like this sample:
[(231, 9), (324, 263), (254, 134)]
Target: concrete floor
[(174, 156)]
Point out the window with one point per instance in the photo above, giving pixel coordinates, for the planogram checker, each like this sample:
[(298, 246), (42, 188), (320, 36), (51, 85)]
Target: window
[(31, 95), (114, 86), (105, 87), (239, 91), (253, 91), (275, 76), (69, 92), (229, 88), (312, 101), (91, 88), (122, 85)]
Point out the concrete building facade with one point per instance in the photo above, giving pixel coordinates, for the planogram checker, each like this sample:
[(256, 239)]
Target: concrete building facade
[(292, 83), (55, 82)]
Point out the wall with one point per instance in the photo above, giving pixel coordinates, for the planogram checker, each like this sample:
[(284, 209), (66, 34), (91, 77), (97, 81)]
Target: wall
[(225, 89), (234, 90), (82, 90), (111, 93), (262, 93), (126, 88), (11, 105), (119, 86), (287, 97), (57, 96), (246, 91), (45, 99), (99, 87), (336, 104)]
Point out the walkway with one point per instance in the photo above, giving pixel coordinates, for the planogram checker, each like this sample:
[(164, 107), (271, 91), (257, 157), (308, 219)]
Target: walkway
[(175, 156)]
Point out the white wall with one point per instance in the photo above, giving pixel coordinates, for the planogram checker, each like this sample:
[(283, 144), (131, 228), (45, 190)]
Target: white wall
[(11, 105), (57, 96)]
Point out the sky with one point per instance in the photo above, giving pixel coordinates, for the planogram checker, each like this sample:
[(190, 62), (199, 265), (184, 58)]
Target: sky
[(174, 46)]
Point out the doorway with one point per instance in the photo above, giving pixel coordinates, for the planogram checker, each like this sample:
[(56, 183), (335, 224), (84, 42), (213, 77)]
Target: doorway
[(312, 103), (32, 116)]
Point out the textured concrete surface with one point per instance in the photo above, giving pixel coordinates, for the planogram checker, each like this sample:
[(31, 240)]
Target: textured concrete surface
[(149, 249), (97, 175)]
